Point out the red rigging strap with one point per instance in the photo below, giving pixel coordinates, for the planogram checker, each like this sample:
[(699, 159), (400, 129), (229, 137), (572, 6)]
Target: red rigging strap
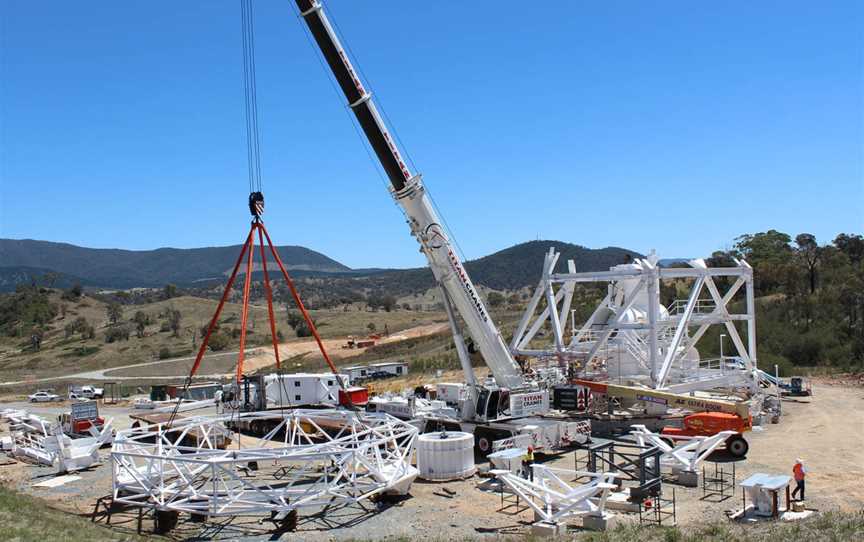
[(269, 294), (214, 321), (249, 245), (245, 312), (302, 308)]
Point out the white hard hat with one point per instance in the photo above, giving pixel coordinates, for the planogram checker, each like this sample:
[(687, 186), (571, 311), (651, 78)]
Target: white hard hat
[(799, 460)]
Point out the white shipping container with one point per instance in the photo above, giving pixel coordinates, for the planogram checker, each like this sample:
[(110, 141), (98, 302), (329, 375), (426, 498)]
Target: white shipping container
[(450, 392), (302, 389)]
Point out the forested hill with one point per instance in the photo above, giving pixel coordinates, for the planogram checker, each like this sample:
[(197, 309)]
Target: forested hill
[(508, 269), (116, 268), (28, 261), (520, 265)]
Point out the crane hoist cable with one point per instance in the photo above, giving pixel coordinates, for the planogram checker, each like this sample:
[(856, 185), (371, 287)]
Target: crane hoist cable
[(250, 92), (247, 252)]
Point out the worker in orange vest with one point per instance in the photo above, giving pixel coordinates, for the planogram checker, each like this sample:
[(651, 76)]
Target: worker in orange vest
[(799, 472)]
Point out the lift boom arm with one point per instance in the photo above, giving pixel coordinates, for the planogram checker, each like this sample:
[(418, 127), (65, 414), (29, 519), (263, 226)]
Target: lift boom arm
[(407, 189), (697, 404)]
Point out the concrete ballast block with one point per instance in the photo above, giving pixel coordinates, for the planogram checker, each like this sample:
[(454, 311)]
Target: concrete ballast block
[(689, 479), (545, 528), (596, 523)]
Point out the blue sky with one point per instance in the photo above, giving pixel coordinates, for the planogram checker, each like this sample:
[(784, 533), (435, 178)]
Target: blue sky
[(667, 125)]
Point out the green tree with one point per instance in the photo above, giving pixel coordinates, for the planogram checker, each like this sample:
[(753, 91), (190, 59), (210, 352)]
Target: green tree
[(294, 319), (36, 338), (809, 252), (117, 333), (495, 299), (219, 341), (852, 245), (74, 293), (141, 321), (303, 329), (170, 291), (114, 311), (770, 254), (174, 318)]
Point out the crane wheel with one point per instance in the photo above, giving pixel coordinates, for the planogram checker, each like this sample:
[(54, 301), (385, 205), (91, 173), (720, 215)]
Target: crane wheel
[(737, 446), (483, 438)]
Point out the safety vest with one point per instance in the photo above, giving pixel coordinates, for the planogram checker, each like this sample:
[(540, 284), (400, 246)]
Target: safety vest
[(798, 471), (528, 457)]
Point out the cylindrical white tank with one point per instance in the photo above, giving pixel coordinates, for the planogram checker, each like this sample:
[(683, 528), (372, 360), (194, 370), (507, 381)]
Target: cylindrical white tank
[(448, 455)]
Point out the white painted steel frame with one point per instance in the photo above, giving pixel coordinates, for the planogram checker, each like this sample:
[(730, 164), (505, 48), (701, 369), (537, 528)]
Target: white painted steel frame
[(687, 455), (311, 458), (555, 500), (659, 343)]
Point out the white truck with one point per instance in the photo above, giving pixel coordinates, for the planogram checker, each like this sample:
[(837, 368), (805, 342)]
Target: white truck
[(80, 393), (506, 405)]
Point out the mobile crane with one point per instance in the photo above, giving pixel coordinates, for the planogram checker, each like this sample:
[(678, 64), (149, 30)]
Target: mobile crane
[(492, 408)]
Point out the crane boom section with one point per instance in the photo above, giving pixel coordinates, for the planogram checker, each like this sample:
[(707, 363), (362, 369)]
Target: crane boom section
[(407, 189), (698, 404)]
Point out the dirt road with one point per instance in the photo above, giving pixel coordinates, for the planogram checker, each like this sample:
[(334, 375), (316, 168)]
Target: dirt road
[(265, 358), (256, 359), (827, 431)]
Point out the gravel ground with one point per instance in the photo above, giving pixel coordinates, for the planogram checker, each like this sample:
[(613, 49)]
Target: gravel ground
[(827, 430)]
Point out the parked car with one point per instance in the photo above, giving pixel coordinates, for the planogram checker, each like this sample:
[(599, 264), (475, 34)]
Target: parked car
[(380, 375), (43, 397)]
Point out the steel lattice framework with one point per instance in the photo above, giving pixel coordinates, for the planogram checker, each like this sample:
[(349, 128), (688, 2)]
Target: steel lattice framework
[(311, 458), (643, 340), (555, 500)]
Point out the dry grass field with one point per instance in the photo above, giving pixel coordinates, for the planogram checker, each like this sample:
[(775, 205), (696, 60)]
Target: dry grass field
[(60, 355)]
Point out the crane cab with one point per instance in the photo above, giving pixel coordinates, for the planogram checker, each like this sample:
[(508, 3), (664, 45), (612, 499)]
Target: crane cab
[(502, 403)]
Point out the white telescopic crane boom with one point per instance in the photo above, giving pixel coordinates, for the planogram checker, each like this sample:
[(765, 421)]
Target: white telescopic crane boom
[(410, 194)]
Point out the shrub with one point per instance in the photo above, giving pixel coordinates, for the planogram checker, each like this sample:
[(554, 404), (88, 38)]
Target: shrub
[(219, 341), (302, 329), (117, 333)]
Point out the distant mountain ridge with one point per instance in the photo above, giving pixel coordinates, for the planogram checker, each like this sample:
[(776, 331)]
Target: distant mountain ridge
[(118, 268), (514, 267), (511, 268)]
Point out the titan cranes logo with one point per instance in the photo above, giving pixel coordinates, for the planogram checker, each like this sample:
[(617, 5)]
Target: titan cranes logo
[(530, 400)]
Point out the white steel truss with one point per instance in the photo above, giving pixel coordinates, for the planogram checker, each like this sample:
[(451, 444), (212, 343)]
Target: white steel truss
[(684, 456), (555, 500), (632, 336), (312, 458), (35, 439)]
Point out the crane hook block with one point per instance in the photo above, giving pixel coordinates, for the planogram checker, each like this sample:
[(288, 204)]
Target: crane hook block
[(256, 204)]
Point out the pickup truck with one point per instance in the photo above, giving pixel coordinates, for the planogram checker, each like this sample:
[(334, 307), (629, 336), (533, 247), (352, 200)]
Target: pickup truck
[(85, 392)]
